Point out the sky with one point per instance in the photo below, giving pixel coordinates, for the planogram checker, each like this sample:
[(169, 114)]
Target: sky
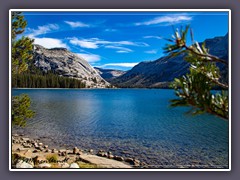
[(119, 40)]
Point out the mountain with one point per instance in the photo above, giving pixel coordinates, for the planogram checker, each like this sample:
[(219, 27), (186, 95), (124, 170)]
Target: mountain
[(160, 72), (109, 74), (67, 64)]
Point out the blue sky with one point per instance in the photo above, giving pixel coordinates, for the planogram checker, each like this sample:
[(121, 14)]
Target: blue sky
[(119, 40)]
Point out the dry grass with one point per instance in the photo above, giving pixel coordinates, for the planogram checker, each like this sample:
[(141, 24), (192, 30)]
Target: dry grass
[(86, 165)]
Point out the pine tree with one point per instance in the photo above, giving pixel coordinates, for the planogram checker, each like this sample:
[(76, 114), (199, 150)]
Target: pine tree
[(195, 88), (21, 110), (21, 54)]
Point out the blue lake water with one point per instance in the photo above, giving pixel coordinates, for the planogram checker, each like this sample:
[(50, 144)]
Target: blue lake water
[(128, 122)]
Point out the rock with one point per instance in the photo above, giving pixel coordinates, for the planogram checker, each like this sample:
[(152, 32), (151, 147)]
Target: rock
[(136, 162), (45, 146), (54, 151), (101, 153), (110, 156), (40, 148), (65, 165), (47, 150), (90, 151), (44, 165), (118, 158), (66, 63), (35, 145), (75, 150), (35, 151), (25, 139), (130, 161), (79, 153), (74, 165), (22, 164), (27, 145), (40, 144)]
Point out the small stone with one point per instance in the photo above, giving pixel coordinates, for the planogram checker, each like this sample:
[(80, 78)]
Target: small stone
[(65, 165), (136, 162), (40, 148), (27, 145), (22, 164), (100, 153), (45, 146), (79, 153), (35, 151), (110, 156), (47, 150), (130, 161), (90, 151), (40, 144), (54, 151), (74, 165), (62, 152), (35, 145), (75, 150), (25, 139), (44, 165), (118, 158)]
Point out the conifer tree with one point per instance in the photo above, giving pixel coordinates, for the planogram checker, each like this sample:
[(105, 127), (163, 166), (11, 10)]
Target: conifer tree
[(21, 53), (195, 88)]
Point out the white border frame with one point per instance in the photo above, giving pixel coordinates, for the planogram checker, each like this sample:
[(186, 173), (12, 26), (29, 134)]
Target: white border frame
[(120, 10)]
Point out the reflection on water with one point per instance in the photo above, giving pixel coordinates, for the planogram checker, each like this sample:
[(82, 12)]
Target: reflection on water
[(128, 122)]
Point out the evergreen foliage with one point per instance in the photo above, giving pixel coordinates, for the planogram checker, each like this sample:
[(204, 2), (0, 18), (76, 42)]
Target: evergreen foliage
[(21, 54), (22, 49), (21, 110), (195, 88), (45, 80)]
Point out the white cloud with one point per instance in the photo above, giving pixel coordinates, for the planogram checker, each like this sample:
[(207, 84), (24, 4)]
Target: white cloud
[(155, 37), (94, 43), (129, 65), (50, 42), (84, 43), (41, 30), (90, 57), (76, 24), (119, 48), (166, 20), (110, 30), (151, 51)]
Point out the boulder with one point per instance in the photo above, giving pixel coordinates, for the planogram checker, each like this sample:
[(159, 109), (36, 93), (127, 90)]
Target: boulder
[(44, 165), (118, 158), (74, 165), (130, 161), (21, 164), (65, 165)]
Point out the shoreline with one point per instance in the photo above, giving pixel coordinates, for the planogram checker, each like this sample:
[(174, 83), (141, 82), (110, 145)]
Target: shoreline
[(32, 153)]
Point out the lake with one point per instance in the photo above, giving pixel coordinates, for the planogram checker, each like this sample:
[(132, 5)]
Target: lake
[(128, 122)]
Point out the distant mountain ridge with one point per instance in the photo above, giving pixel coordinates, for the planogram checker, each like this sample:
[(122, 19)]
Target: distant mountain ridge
[(67, 64), (109, 74), (160, 72)]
